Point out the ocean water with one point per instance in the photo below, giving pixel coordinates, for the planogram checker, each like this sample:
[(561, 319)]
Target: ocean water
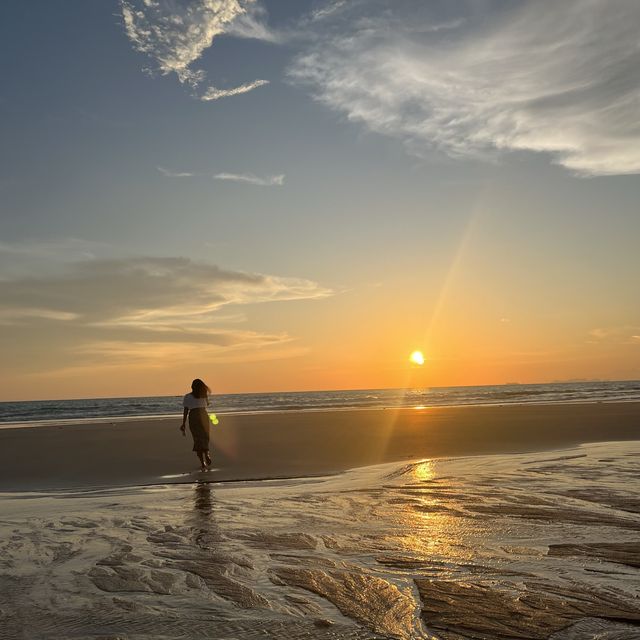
[(105, 408)]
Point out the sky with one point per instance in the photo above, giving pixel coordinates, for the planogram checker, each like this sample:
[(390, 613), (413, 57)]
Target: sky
[(295, 195)]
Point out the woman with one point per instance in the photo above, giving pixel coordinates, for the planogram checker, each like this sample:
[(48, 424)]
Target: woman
[(195, 406)]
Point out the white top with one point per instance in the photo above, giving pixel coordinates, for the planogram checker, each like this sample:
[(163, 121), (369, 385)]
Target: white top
[(191, 402)]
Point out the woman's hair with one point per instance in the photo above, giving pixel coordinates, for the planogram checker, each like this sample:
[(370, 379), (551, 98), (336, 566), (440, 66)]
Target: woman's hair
[(199, 389)]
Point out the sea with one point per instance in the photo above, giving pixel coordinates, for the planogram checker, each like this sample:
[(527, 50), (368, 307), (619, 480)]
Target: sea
[(103, 409)]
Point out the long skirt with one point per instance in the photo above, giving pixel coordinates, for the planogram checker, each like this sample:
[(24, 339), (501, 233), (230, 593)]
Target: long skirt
[(200, 427)]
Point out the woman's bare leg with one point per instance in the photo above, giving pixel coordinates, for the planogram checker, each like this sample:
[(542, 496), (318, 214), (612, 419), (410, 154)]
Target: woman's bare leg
[(203, 464)]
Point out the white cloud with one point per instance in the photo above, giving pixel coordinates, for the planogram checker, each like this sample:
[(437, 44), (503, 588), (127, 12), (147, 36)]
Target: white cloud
[(249, 178), (213, 93), (175, 33), (329, 9), (174, 174), (560, 78), (266, 181), (252, 24)]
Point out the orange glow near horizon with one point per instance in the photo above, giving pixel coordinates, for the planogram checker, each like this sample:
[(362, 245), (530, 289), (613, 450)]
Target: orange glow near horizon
[(473, 318)]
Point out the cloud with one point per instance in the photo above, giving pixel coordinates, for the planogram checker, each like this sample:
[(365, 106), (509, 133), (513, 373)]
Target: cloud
[(118, 305), (559, 78), (252, 24), (148, 292), (212, 93), (175, 34), (267, 181), (175, 174), (18, 314), (329, 9), (624, 334), (23, 257), (138, 354)]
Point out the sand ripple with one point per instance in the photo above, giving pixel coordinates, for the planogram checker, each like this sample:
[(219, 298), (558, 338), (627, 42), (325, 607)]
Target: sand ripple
[(372, 601), (530, 610)]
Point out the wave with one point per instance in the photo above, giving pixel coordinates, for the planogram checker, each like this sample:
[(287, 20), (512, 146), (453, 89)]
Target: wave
[(42, 411)]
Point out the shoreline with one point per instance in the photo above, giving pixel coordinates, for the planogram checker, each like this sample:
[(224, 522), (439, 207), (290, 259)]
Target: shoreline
[(266, 446), (69, 422)]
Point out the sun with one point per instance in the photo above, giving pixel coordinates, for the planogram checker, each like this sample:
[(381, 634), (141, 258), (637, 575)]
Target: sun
[(417, 358)]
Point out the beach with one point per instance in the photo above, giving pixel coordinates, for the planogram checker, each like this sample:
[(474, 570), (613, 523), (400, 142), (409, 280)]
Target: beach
[(295, 444), (319, 320), (466, 523)]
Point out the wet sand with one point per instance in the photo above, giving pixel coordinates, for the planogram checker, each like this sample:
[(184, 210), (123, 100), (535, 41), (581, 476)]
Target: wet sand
[(535, 546), (275, 445)]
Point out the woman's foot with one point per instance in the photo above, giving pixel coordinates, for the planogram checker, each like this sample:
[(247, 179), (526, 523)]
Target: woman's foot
[(207, 458)]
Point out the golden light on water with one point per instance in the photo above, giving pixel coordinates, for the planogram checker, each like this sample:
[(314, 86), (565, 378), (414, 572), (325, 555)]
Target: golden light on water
[(417, 358), (424, 471)]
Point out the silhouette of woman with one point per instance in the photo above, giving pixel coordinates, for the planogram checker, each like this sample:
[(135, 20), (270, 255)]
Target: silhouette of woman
[(195, 406)]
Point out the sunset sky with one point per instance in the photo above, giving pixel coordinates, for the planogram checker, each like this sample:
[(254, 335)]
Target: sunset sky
[(295, 195)]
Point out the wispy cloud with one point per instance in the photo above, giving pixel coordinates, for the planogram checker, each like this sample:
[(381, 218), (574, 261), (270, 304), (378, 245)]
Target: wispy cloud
[(112, 306), (249, 178), (33, 256), (624, 334), (252, 24), (12, 315), (175, 33), (543, 76), (175, 174), (329, 9), (212, 93), (148, 291)]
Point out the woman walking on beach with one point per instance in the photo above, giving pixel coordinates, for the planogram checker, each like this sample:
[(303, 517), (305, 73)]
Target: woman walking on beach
[(195, 406)]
